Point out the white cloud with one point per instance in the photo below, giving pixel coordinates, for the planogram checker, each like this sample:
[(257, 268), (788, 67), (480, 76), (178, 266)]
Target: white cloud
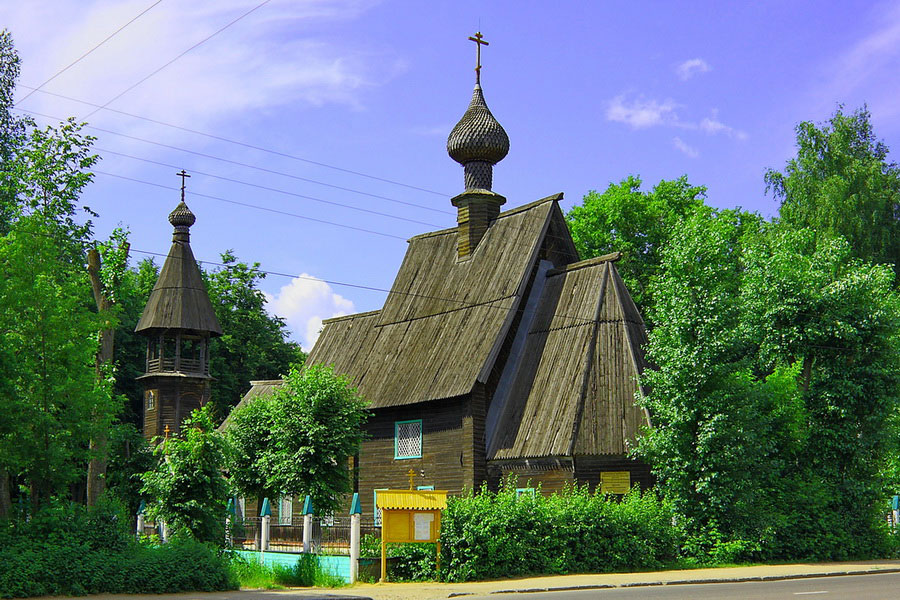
[(304, 303), (713, 126), (273, 57), (687, 150), (691, 67), (640, 113), (867, 69)]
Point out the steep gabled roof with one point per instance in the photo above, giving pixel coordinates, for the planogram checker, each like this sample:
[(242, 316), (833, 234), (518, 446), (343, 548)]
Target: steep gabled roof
[(442, 326), (574, 389), (179, 299)]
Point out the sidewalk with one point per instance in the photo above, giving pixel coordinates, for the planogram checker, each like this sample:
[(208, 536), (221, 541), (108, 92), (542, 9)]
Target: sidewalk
[(435, 591)]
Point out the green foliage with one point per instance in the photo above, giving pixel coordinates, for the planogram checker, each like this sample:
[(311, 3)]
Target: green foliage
[(186, 490), (298, 441), (776, 376), (841, 184), (253, 344), (68, 550), (129, 458), (625, 219), (492, 535)]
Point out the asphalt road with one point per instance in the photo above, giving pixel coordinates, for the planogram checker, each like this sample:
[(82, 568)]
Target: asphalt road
[(855, 587)]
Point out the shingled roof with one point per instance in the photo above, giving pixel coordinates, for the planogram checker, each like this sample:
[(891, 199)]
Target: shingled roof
[(574, 390), (445, 319), (179, 299)]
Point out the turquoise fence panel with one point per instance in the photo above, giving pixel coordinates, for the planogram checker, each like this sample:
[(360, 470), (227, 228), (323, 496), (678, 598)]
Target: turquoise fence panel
[(336, 565)]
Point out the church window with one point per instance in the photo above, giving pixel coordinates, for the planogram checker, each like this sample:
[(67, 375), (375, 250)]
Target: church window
[(526, 491), (285, 510), (425, 488), (408, 439), (151, 399)]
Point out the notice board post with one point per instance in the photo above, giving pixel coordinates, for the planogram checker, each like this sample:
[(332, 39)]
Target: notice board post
[(410, 516)]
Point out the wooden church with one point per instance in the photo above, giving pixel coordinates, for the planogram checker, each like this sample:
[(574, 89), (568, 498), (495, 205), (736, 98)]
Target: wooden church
[(178, 322), (497, 350)]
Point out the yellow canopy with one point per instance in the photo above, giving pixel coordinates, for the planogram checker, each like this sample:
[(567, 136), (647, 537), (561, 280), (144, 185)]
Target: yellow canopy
[(411, 499)]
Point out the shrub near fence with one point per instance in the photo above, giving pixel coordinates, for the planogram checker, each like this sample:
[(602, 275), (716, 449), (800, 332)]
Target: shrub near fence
[(493, 535)]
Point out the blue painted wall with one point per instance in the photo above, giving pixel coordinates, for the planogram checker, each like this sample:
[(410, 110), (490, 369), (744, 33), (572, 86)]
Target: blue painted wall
[(337, 565)]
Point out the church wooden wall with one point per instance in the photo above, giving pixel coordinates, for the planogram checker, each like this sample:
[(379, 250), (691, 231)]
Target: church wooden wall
[(176, 398), (452, 448), (550, 475), (588, 468)]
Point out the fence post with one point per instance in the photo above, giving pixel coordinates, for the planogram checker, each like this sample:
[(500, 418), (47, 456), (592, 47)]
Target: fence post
[(307, 524), (266, 513), (140, 519), (355, 513), (229, 518)]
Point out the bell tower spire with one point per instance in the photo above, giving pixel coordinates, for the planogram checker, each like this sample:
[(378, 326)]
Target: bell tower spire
[(178, 322), (477, 142)]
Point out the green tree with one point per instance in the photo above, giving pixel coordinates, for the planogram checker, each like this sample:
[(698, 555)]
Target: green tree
[(639, 224), (299, 440), (835, 319), (715, 426), (254, 344), (48, 327), (841, 183), (186, 490)]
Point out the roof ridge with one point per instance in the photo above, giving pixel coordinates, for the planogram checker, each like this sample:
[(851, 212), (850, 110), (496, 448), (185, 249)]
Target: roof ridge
[(507, 213), (267, 382), (588, 262), (353, 316)]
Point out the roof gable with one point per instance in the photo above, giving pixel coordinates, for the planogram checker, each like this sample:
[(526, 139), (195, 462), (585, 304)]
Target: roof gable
[(574, 391), (445, 319)]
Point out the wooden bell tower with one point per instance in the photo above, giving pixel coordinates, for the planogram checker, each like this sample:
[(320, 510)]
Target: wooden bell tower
[(178, 322)]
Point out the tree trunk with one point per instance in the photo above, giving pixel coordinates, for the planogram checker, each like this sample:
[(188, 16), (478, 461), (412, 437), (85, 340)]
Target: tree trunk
[(96, 475), (5, 498)]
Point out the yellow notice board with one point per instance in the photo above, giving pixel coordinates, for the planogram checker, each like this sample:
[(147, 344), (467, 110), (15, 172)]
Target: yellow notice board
[(410, 526), (615, 482)]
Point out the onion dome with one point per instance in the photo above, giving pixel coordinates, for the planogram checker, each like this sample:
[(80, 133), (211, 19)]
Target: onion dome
[(478, 142), (182, 216)]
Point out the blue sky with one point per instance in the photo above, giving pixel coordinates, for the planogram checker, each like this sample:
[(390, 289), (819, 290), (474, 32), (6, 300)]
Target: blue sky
[(589, 93)]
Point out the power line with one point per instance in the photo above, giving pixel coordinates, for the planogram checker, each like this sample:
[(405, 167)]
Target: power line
[(204, 40), (255, 206), (242, 164), (85, 55), (269, 189), (244, 144)]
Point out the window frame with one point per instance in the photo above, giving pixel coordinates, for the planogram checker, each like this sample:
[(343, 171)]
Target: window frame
[(525, 491), (397, 425)]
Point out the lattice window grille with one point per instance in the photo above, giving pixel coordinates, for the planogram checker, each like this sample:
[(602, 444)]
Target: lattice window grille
[(409, 439)]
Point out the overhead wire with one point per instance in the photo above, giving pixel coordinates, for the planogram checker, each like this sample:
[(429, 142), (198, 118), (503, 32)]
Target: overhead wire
[(254, 206), (86, 54), (198, 44), (268, 189), (242, 164), (245, 144)]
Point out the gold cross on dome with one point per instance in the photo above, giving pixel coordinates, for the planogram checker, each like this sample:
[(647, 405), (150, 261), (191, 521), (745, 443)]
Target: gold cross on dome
[(479, 42)]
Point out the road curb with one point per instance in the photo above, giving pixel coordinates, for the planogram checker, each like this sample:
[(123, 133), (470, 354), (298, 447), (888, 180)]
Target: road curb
[(602, 586)]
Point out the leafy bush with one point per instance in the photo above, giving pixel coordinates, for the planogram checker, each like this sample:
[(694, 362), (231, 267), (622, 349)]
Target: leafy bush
[(72, 551), (491, 535)]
